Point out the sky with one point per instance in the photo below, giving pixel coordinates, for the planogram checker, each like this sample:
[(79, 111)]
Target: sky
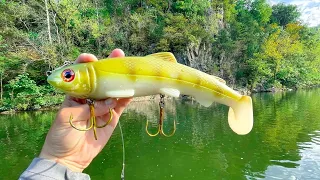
[(310, 10)]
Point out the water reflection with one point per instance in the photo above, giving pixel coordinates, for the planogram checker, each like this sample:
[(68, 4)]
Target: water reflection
[(308, 167), (21, 138), (283, 144)]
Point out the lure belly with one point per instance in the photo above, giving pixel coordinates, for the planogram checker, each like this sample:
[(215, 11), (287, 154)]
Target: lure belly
[(150, 75)]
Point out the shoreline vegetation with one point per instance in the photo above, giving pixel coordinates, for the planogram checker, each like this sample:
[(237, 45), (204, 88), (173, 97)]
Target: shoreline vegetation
[(147, 99), (252, 45)]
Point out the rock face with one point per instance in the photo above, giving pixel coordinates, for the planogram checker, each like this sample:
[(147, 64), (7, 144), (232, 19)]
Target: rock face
[(200, 57), (199, 53)]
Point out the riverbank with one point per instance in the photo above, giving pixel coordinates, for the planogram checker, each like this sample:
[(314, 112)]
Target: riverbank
[(244, 91), (57, 106)]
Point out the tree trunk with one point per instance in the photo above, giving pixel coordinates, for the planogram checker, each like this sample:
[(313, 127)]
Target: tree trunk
[(97, 14), (63, 25), (57, 29), (48, 21)]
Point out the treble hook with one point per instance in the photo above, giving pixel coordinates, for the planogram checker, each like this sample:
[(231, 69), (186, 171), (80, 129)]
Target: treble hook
[(93, 122), (160, 123)]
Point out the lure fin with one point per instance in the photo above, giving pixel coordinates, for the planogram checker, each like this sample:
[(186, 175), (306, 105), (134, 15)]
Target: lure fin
[(206, 102), (170, 92), (120, 93), (166, 56), (240, 117)]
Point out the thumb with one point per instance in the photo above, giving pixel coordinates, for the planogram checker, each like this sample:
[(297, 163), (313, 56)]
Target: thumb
[(82, 112)]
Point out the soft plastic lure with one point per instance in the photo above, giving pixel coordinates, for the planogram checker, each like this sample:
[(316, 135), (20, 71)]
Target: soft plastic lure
[(150, 75)]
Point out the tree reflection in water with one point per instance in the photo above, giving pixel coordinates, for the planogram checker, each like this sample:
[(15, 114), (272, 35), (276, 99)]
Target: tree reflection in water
[(284, 142)]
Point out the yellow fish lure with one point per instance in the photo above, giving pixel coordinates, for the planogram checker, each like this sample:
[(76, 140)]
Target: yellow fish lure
[(158, 73)]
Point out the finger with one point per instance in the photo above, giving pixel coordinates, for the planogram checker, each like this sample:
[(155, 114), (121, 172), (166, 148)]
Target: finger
[(105, 118), (82, 112), (116, 53), (85, 57), (121, 105)]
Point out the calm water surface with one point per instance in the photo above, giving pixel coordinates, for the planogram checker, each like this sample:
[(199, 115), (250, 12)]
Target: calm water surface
[(284, 143)]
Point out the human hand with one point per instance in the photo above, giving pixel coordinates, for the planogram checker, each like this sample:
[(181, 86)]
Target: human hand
[(76, 149)]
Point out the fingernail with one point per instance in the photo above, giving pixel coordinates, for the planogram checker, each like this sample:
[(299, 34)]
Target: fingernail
[(109, 101)]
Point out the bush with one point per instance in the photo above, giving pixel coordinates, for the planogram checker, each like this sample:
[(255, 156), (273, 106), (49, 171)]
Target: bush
[(24, 94)]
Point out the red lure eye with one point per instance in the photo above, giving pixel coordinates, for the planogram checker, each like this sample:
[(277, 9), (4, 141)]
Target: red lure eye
[(67, 75)]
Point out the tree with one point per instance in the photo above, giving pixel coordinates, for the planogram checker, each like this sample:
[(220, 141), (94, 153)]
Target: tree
[(284, 14), (247, 42), (48, 20)]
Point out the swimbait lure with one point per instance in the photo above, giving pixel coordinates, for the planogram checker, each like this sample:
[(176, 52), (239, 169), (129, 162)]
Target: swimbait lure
[(158, 73)]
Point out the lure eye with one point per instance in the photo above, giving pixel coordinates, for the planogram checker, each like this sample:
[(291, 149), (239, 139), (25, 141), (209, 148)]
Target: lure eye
[(67, 75)]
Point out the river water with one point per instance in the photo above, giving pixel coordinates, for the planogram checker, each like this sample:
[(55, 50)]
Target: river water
[(284, 143)]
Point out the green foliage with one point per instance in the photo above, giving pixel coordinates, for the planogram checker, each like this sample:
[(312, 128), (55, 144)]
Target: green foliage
[(22, 84), (24, 94), (261, 11), (285, 14), (246, 42)]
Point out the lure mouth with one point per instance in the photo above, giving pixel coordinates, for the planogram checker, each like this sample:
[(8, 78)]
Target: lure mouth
[(54, 81)]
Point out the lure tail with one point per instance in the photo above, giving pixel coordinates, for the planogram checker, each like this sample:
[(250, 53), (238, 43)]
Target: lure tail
[(240, 117)]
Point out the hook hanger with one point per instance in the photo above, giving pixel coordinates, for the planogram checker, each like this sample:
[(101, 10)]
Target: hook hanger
[(93, 122), (160, 122)]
